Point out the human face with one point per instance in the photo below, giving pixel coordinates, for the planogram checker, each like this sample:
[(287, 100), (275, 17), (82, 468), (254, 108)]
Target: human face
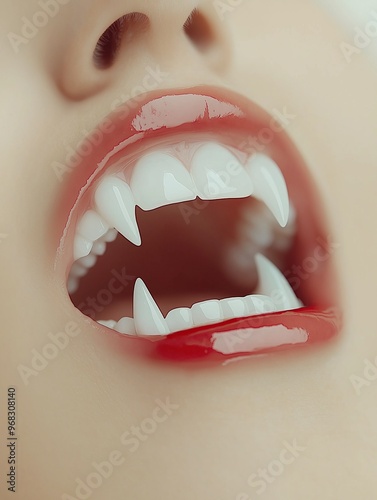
[(182, 429)]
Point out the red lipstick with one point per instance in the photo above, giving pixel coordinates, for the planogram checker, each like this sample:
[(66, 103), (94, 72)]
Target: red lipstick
[(228, 117)]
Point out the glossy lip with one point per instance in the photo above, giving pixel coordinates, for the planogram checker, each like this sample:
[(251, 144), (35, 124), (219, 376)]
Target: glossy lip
[(204, 110), (253, 335)]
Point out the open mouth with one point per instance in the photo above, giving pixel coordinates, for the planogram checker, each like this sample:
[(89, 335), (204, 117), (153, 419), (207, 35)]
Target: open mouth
[(188, 225)]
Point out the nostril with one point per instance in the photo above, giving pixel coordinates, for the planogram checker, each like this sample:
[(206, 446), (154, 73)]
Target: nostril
[(108, 45), (199, 31), (126, 28)]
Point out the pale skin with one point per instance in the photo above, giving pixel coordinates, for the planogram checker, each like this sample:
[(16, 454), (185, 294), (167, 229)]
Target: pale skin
[(230, 421)]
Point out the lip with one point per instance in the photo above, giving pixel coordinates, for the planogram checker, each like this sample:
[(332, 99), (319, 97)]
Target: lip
[(194, 111)]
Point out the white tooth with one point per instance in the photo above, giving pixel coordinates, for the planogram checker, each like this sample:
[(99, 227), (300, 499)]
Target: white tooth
[(88, 261), (115, 203), (109, 323), (260, 304), (269, 186), (99, 247), (218, 174), (234, 308), (206, 312), (125, 326), (275, 285), (260, 233), (110, 236), (81, 247), (160, 179), (92, 226), (180, 319), (148, 317), (72, 285), (78, 270)]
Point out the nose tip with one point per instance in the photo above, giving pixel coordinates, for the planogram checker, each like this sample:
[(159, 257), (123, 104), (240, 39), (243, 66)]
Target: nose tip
[(113, 45)]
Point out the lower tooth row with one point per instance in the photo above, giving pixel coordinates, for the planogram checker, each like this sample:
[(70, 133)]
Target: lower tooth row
[(275, 294), (160, 178), (200, 314)]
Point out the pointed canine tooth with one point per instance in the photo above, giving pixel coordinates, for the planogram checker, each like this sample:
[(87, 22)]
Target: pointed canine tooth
[(147, 316), (275, 285), (180, 319), (234, 308), (160, 179), (269, 186), (92, 226), (218, 174), (125, 326), (260, 304), (81, 247), (205, 313), (115, 203)]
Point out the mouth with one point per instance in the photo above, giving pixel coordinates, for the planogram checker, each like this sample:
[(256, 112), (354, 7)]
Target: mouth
[(193, 226)]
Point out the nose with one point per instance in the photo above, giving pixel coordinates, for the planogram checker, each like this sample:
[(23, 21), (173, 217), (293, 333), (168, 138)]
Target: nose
[(112, 44)]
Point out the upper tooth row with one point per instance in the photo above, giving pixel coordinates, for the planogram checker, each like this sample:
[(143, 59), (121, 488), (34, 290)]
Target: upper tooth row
[(97, 247), (274, 294), (160, 179)]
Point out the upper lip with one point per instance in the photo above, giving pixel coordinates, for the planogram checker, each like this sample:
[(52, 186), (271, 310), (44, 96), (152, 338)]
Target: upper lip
[(201, 110)]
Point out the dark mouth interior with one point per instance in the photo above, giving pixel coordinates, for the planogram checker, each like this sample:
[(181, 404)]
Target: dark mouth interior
[(182, 259)]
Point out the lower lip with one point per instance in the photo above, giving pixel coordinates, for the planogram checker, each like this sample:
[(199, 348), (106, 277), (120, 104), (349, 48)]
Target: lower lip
[(243, 337)]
